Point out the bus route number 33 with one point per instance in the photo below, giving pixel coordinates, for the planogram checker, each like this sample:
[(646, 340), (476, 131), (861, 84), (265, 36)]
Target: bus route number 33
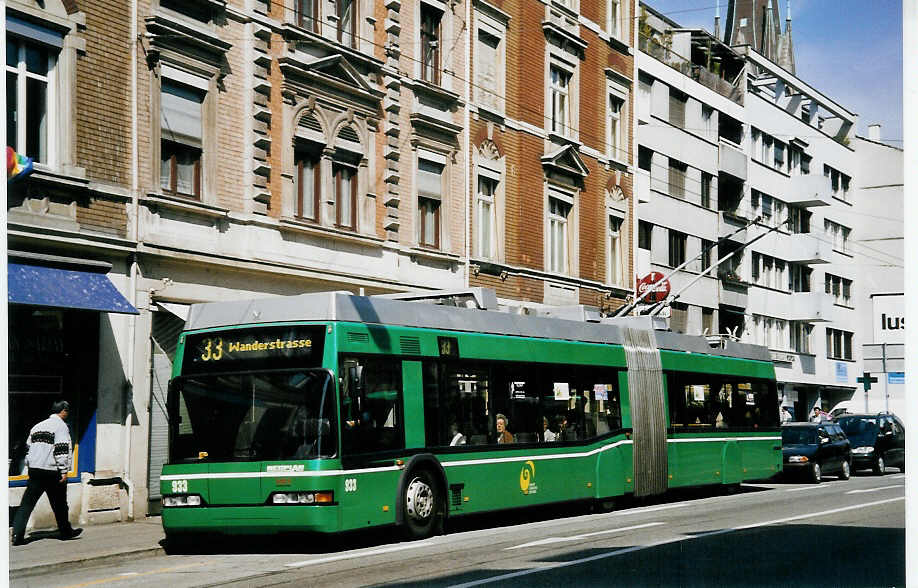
[(350, 485), (179, 486), (213, 350)]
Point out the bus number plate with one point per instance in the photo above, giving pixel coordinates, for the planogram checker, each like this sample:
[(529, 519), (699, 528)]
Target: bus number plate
[(350, 485), (179, 486)]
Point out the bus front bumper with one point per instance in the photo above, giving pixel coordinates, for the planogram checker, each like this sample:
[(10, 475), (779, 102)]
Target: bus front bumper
[(242, 520)]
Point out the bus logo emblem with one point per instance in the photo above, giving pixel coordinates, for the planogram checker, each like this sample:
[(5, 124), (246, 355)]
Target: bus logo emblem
[(527, 478)]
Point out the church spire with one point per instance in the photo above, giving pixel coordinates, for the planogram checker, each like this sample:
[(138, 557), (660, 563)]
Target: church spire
[(755, 23), (717, 20), (786, 46)]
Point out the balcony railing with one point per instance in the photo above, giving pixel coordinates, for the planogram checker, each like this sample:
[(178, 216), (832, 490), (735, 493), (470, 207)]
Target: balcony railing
[(697, 72), (810, 307), (805, 248), (729, 223), (733, 291), (732, 160), (809, 190)]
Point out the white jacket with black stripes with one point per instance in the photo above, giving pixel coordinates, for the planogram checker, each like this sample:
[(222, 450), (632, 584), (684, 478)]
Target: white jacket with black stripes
[(49, 445)]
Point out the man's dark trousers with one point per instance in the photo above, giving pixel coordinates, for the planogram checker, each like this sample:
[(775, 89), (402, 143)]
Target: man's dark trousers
[(43, 481)]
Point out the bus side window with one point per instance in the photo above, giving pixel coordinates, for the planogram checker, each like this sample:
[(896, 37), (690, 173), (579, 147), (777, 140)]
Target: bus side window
[(455, 403), (371, 405), (763, 410)]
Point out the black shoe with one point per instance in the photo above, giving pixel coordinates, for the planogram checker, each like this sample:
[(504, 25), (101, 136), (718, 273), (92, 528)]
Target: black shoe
[(73, 534), (18, 540)]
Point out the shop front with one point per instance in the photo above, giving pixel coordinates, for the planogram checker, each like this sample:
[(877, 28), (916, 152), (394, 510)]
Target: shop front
[(55, 310)]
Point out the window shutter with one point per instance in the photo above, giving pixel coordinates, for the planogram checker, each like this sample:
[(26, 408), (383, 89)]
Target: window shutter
[(430, 182), (180, 114), (678, 321), (676, 109)]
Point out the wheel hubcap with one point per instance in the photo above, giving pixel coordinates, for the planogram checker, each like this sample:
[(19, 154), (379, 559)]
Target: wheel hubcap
[(881, 465), (419, 500), (846, 469)]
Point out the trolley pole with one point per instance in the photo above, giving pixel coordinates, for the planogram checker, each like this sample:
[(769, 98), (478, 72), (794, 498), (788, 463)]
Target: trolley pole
[(638, 299), (659, 305)]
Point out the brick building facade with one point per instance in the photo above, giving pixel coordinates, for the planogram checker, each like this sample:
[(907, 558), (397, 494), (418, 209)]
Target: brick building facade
[(551, 207), (71, 244), (216, 150)]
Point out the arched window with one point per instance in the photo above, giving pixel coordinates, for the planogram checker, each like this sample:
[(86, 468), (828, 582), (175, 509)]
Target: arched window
[(307, 175), (346, 161)]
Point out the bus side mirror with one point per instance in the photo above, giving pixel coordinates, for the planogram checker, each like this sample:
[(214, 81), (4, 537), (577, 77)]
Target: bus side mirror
[(355, 378)]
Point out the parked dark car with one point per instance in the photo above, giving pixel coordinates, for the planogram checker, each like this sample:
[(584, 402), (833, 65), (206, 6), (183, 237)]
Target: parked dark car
[(814, 449), (877, 440)]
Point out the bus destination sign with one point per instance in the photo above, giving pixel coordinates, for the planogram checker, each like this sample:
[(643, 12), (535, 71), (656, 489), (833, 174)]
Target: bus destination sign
[(259, 348)]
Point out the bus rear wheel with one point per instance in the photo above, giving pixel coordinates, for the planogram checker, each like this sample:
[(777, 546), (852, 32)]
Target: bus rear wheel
[(423, 505)]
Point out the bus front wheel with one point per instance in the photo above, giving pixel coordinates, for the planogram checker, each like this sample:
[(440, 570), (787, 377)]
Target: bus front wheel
[(422, 505)]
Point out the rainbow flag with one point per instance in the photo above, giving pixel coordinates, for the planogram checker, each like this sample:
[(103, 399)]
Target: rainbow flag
[(17, 166)]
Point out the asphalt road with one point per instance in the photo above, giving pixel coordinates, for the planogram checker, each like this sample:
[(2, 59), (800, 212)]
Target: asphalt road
[(838, 533)]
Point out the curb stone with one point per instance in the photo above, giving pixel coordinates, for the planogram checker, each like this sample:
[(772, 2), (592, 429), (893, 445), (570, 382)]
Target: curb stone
[(88, 561)]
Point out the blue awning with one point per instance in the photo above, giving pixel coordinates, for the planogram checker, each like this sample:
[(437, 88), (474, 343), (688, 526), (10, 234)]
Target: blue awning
[(62, 288)]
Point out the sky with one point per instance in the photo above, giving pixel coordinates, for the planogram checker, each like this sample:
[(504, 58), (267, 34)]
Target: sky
[(850, 50)]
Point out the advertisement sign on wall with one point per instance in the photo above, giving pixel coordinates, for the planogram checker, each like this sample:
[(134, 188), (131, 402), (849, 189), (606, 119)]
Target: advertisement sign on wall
[(889, 318)]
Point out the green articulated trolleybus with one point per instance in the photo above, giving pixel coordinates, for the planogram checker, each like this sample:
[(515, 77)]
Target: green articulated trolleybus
[(331, 412)]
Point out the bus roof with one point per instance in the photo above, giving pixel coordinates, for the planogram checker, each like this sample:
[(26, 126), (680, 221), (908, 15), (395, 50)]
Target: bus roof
[(346, 307)]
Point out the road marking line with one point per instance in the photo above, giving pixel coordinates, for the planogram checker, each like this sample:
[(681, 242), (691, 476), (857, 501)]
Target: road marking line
[(667, 541), (897, 477), (550, 540), (875, 489), (819, 487), (134, 575), (647, 509), (467, 534), (384, 550)]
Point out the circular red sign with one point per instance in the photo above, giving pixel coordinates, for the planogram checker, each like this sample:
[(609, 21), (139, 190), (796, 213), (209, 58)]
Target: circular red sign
[(659, 288)]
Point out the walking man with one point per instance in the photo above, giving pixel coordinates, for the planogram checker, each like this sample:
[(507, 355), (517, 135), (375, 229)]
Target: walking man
[(49, 458)]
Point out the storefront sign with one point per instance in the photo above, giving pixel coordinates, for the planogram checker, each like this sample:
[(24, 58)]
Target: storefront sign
[(781, 357), (659, 288), (889, 319), (895, 378), (841, 372)]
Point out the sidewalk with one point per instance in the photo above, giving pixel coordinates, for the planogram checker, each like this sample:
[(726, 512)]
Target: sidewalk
[(98, 544)]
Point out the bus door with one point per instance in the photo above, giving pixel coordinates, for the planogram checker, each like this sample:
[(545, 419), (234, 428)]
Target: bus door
[(648, 416)]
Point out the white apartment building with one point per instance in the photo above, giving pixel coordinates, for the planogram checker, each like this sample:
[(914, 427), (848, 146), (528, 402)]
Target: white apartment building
[(877, 216), (727, 136)]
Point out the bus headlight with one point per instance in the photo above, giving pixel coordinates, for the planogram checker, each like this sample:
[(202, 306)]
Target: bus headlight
[(322, 497), (182, 500), (798, 459)]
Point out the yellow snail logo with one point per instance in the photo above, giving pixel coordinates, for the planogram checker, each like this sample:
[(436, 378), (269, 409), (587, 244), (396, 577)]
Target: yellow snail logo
[(527, 477)]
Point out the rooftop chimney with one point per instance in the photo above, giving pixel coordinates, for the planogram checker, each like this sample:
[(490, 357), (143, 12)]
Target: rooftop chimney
[(873, 132)]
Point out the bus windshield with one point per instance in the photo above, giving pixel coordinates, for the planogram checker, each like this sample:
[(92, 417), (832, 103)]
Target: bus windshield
[(278, 415)]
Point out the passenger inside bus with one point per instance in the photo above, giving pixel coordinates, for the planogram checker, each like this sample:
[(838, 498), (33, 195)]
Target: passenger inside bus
[(547, 434), (503, 435), (457, 437)]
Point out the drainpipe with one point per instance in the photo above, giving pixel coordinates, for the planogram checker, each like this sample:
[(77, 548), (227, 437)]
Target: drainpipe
[(468, 140), (635, 219), (125, 479), (134, 235)]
